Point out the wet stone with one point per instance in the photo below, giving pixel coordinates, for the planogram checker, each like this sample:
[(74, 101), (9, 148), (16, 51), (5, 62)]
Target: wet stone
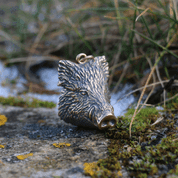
[(163, 169), (12, 159), (75, 170)]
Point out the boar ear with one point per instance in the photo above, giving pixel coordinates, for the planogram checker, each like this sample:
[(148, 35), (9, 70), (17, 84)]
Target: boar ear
[(68, 74), (104, 65)]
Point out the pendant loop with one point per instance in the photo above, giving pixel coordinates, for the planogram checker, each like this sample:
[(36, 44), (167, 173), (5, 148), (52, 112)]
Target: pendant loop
[(81, 60)]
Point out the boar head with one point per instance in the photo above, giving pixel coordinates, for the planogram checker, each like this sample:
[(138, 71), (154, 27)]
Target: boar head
[(85, 99)]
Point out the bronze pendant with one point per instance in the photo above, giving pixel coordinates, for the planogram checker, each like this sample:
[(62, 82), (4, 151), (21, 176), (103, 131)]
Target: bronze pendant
[(85, 100)]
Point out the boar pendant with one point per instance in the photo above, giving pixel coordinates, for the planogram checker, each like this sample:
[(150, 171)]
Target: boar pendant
[(85, 99)]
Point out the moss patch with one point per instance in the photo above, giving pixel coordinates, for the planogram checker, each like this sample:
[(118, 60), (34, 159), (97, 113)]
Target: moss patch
[(147, 150), (172, 104), (34, 103), (144, 118), (174, 171)]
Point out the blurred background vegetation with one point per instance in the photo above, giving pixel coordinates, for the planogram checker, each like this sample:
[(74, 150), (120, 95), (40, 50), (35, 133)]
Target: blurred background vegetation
[(132, 34)]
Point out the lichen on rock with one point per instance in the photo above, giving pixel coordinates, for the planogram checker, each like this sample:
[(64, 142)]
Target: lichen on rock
[(60, 145), (22, 157), (1, 146), (3, 119)]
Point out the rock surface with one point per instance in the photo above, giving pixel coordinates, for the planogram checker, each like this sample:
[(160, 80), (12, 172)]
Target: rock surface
[(33, 132)]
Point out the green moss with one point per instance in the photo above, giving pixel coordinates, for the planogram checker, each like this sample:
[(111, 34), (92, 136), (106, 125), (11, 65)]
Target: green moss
[(174, 171), (140, 125), (109, 163), (172, 104), (144, 118), (34, 103), (13, 81), (140, 161), (142, 175)]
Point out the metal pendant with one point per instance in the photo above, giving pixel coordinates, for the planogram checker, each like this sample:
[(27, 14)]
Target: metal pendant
[(85, 99)]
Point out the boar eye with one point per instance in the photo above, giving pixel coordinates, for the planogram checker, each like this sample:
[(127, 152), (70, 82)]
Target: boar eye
[(83, 92)]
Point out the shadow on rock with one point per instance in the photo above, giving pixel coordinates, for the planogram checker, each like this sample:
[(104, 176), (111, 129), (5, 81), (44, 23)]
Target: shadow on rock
[(39, 123)]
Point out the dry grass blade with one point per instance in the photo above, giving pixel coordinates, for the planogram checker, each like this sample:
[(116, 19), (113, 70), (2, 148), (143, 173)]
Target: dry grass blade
[(37, 58), (39, 36), (157, 121), (118, 14), (130, 3), (9, 38), (36, 88), (150, 105), (154, 81), (142, 13), (110, 17), (124, 62), (88, 38), (79, 34), (149, 77), (139, 101), (121, 77), (115, 62), (159, 78), (61, 45), (157, 83), (169, 99), (173, 8), (34, 46), (175, 139)]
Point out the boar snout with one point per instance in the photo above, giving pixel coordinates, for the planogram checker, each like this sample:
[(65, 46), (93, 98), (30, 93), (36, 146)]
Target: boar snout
[(106, 120)]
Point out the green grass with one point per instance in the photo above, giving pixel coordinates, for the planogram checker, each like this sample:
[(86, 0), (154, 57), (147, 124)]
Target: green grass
[(172, 104), (31, 103), (98, 27)]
